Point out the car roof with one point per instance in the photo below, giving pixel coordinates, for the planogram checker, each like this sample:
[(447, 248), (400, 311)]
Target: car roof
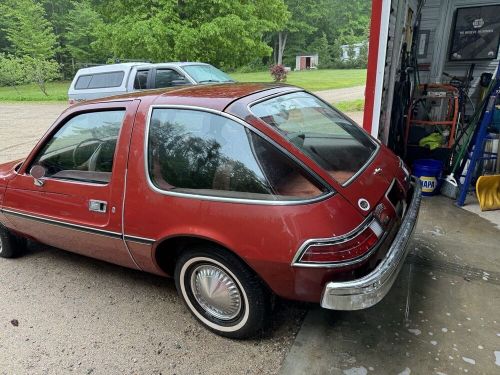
[(212, 96), (129, 65), (109, 67)]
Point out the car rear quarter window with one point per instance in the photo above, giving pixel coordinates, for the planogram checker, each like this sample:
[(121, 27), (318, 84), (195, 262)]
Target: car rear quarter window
[(202, 153), (99, 80)]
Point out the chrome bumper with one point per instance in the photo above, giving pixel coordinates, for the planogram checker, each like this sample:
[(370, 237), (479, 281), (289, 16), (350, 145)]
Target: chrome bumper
[(369, 290)]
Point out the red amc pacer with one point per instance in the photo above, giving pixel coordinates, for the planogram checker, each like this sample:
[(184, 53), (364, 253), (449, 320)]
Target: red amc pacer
[(239, 191)]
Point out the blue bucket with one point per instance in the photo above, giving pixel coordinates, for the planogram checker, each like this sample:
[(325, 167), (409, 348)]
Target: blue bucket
[(429, 172)]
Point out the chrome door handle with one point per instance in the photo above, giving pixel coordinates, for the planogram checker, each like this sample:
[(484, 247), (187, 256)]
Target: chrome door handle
[(98, 206)]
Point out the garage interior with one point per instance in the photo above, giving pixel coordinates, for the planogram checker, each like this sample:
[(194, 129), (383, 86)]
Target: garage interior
[(436, 75), (441, 317)]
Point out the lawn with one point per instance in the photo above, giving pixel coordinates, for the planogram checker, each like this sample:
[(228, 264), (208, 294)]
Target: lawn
[(58, 91), (350, 105), (313, 80)]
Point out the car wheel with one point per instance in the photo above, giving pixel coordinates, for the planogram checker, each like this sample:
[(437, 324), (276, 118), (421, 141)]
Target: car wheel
[(222, 292), (11, 246)]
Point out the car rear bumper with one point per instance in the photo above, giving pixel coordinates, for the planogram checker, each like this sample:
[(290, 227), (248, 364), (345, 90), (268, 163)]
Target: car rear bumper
[(369, 290)]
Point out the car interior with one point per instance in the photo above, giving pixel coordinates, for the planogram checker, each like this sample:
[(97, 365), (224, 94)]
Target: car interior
[(91, 161)]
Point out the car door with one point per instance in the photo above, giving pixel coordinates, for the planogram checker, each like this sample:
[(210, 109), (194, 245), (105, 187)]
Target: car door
[(77, 205), (167, 77)]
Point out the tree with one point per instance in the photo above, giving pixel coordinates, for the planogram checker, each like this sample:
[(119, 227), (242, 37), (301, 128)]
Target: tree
[(27, 30), (302, 16), (224, 33), (40, 71), (321, 46), (142, 30), (345, 22), (11, 71), (80, 35)]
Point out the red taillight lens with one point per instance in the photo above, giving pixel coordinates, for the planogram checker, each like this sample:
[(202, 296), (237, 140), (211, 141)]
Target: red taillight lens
[(344, 249)]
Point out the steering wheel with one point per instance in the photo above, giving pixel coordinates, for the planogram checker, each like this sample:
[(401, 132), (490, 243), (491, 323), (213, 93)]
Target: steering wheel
[(75, 151)]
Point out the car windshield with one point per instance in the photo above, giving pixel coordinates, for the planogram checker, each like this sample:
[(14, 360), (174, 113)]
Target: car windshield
[(333, 141), (206, 74)]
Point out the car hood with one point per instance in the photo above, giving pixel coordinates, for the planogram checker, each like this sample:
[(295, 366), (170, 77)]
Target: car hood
[(7, 169)]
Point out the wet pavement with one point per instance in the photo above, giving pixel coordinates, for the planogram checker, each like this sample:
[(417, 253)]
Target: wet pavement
[(441, 317)]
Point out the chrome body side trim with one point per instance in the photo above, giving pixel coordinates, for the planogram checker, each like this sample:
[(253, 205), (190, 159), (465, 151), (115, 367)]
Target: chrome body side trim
[(141, 240), (81, 228), (51, 221), (369, 290), (153, 187)]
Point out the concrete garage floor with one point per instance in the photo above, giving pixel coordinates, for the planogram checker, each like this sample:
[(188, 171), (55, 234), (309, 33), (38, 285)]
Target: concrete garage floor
[(441, 317)]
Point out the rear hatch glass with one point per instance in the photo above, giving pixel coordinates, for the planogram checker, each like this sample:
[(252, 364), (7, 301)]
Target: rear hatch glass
[(333, 141)]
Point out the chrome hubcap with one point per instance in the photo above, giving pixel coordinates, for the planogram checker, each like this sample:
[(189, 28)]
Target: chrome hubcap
[(216, 292)]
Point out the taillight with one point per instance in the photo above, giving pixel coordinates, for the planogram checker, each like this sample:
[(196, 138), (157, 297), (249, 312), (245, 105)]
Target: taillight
[(344, 248)]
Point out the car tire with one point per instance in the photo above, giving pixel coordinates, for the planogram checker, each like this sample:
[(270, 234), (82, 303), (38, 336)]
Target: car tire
[(11, 246), (222, 292)]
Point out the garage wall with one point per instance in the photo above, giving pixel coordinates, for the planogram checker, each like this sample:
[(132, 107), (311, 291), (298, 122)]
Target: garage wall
[(437, 17), (397, 29)]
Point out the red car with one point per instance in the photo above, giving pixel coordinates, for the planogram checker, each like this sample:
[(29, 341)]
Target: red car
[(238, 191)]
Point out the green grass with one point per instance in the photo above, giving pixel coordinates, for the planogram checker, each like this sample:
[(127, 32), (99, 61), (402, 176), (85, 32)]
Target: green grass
[(313, 80), (58, 91), (350, 105)]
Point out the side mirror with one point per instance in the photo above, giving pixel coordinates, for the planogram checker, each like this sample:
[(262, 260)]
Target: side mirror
[(37, 172)]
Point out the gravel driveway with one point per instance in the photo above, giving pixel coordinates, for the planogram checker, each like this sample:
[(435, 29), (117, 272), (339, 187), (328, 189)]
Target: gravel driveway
[(62, 313), (340, 95), (22, 125), (84, 316)]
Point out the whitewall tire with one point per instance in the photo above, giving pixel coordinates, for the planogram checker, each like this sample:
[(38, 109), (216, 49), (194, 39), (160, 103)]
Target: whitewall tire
[(221, 291)]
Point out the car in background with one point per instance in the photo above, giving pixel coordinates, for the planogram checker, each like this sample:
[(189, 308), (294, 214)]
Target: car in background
[(239, 194), (114, 79)]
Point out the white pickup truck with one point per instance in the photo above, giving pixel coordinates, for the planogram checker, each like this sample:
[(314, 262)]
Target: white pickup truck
[(114, 79)]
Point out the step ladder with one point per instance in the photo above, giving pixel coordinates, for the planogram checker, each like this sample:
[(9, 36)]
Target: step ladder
[(476, 152)]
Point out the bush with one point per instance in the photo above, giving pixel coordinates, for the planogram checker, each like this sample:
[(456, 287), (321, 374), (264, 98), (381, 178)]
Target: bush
[(41, 71), (278, 72), (11, 71), (254, 66)]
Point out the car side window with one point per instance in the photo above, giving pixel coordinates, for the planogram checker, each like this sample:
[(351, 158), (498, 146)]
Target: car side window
[(197, 152), (141, 80), (99, 80), (83, 148), (169, 78)]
